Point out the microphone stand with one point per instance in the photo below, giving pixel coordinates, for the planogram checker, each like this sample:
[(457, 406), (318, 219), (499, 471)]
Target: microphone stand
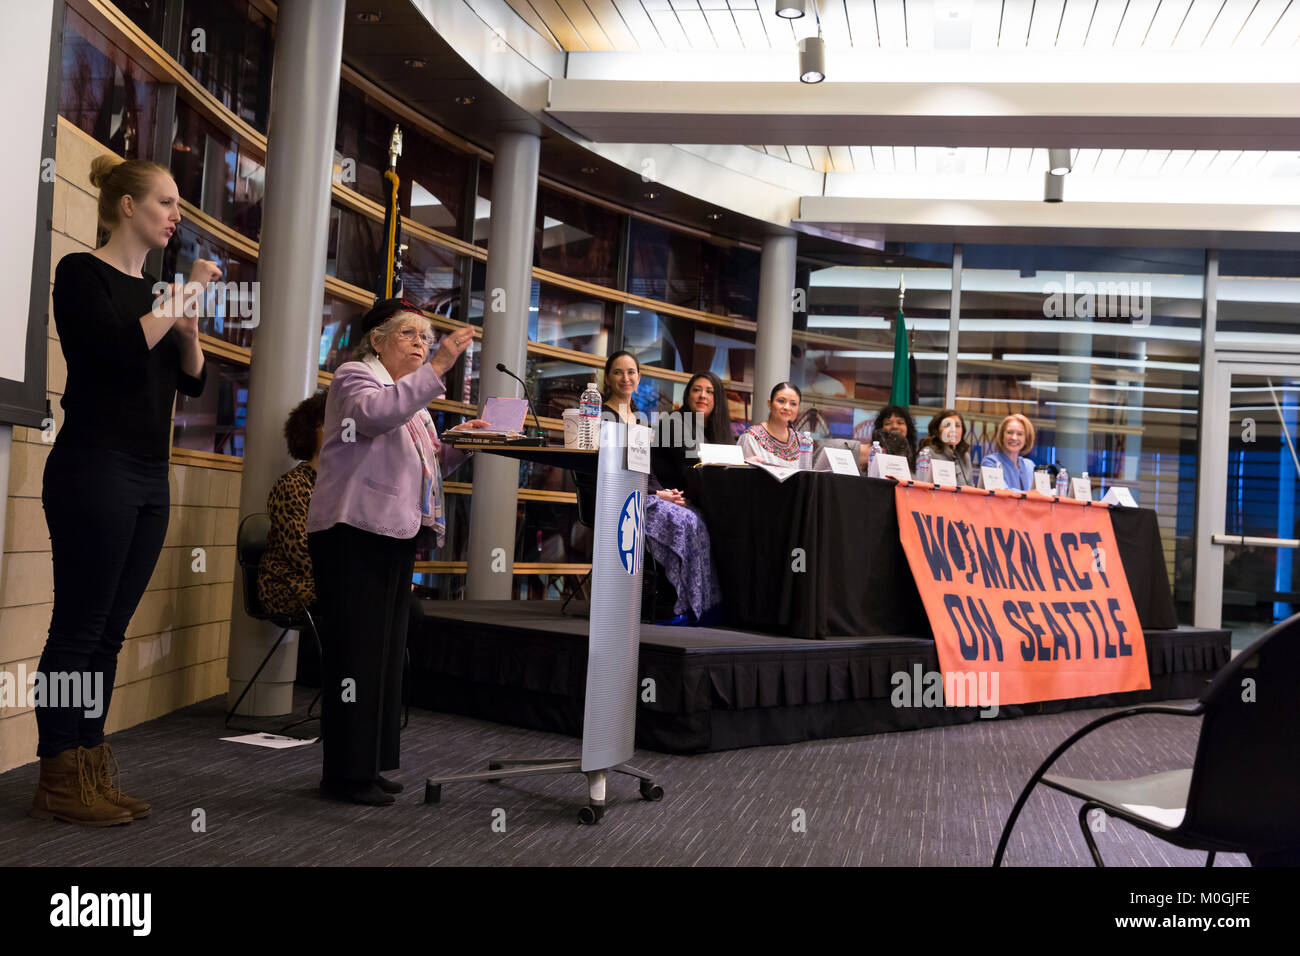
[(541, 435)]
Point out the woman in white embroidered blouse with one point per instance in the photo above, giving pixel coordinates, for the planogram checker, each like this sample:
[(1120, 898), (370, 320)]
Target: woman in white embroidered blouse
[(775, 442)]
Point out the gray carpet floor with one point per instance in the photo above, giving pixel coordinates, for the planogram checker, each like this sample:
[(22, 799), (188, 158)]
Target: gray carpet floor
[(926, 798)]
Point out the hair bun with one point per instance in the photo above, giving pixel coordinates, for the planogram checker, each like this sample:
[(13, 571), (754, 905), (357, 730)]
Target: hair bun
[(101, 167)]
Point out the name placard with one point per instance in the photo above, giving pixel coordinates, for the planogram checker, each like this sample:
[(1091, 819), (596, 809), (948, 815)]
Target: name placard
[(1043, 484), (944, 473), (721, 454), (638, 448), (991, 478), (841, 461), (1119, 495), (892, 466), (1081, 489)]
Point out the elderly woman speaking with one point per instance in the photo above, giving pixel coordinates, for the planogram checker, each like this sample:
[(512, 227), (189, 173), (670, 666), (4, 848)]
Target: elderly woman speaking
[(378, 497)]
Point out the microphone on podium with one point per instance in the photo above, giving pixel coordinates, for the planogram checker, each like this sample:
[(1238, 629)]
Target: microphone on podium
[(527, 394)]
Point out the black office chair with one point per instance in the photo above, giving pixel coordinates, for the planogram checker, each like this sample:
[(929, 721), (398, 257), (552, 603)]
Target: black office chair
[(1243, 788), (250, 542), (586, 486), (657, 590)]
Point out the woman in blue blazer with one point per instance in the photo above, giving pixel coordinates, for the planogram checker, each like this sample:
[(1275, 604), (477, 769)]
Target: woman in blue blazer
[(1014, 437)]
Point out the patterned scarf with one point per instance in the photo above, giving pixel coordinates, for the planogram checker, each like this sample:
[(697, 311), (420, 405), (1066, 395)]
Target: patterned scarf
[(424, 436)]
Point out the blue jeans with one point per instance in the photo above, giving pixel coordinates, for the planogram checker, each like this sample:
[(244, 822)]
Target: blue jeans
[(107, 514)]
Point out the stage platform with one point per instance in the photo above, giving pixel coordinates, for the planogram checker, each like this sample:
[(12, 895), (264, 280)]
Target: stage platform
[(523, 663)]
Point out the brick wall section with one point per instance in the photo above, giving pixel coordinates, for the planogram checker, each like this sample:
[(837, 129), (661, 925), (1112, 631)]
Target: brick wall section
[(176, 645)]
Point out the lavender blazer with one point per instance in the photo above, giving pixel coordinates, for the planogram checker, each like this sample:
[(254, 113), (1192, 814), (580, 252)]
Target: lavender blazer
[(372, 482)]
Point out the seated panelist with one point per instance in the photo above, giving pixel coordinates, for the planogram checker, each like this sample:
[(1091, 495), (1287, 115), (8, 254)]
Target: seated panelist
[(1014, 438), (947, 441), (774, 441)]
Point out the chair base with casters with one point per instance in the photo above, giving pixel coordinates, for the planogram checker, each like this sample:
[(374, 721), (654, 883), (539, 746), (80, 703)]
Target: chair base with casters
[(1241, 792), (250, 544), (503, 768)]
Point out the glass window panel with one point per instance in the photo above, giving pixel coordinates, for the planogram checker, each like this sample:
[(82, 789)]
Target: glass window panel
[(338, 331), (231, 55), (214, 422), (104, 92), (844, 359), (684, 345), (146, 14), (214, 173), (1100, 348), (431, 174), (1258, 300), (571, 320), (576, 239)]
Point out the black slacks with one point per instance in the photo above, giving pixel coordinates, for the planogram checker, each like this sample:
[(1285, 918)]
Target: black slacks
[(363, 588), (107, 514)]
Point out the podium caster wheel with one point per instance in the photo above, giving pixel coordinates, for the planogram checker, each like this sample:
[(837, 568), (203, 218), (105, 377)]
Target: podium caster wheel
[(590, 815), (651, 791), (433, 793)]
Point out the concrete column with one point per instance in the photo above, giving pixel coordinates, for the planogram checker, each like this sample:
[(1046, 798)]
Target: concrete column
[(1072, 422), (291, 273), (775, 317), (505, 340)]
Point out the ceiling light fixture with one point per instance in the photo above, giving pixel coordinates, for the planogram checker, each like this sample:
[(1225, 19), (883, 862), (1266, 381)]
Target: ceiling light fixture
[(370, 16), (650, 195), (715, 216), (415, 62), (465, 99), (791, 9), (1058, 161), (590, 170), (812, 60)]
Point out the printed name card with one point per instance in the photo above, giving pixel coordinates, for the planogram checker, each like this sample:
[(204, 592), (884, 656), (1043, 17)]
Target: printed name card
[(1119, 495), (1043, 484), (944, 473), (841, 461), (721, 454), (892, 466), (1081, 489), (638, 448), (991, 478)]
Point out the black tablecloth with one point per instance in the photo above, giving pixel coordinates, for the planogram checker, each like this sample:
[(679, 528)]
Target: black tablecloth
[(819, 556)]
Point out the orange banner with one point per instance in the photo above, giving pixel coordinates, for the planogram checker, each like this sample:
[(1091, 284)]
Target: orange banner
[(1025, 593)]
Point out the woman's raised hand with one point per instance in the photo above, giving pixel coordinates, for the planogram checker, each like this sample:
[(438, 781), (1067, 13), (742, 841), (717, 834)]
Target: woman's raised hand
[(450, 349)]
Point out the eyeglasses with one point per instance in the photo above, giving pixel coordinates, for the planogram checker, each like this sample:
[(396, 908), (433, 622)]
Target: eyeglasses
[(411, 334)]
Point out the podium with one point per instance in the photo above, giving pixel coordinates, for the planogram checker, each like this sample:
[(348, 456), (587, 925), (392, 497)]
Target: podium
[(614, 634)]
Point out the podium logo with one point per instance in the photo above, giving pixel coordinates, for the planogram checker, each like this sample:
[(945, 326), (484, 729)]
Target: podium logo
[(75, 909), (629, 532)]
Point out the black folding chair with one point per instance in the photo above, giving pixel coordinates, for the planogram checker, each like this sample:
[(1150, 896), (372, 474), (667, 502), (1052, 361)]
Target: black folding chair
[(249, 545), (586, 486), (1241, 793)]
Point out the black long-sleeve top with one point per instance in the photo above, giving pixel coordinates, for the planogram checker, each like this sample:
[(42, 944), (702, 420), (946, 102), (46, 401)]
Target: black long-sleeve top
[(120, 392)]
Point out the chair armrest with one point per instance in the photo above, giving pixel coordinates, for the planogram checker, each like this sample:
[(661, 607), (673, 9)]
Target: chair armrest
[(1194, 710)]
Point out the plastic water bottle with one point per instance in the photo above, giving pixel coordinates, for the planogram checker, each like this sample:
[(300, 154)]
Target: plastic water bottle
[(589, 416), (871, 455), (923, 470), (1062, 483)]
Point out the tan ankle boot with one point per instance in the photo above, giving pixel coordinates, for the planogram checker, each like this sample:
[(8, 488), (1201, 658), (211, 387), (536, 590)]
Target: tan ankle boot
[(108, 778), (68, 791)]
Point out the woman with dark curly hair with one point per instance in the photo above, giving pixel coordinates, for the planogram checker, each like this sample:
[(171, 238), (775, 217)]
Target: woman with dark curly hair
[(284, 578), (897, 419)]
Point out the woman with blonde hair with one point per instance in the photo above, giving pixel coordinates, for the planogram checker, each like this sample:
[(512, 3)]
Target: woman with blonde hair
[(129, 348), (1014, 438)]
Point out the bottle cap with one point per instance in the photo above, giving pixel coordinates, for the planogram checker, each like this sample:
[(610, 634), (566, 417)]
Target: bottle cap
[(592, 386)]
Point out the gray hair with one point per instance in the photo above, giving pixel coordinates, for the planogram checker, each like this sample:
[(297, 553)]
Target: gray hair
[(365, 349)]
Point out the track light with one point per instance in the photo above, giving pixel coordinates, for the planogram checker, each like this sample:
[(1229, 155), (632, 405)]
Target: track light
[(1053, 187), (1058, 161), (812, 60), (791, 9)]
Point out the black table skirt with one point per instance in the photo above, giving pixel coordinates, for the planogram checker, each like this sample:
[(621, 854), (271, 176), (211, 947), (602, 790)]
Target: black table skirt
[(818, 555)]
